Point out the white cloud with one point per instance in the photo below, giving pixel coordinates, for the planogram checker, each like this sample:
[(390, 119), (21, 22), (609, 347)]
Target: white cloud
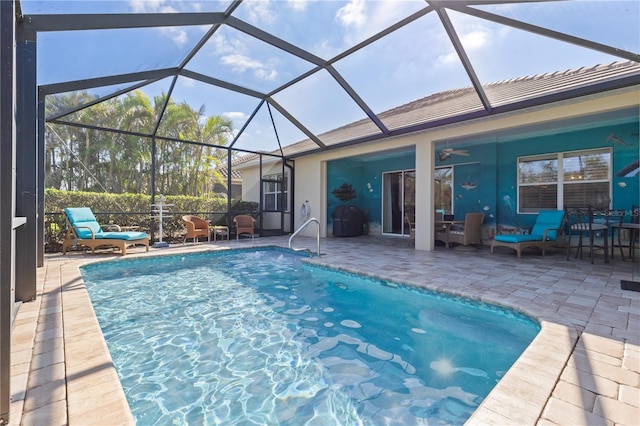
[(187, 82), (449, 58), (475, 39), (222, 45), (146, 6), (260, 12), (325, 49), (298, 5), (241, 63), (265, 74), (179, 37), (352, 14), (164, 6), (235, 115), (167, 9), (361, 19)]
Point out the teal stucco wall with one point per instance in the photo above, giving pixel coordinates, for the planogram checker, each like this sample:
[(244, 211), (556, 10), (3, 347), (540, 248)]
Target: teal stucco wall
[(485, 174), (365, 177)]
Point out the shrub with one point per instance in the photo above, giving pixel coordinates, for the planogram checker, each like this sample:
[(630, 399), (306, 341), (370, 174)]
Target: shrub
[(135, 210)]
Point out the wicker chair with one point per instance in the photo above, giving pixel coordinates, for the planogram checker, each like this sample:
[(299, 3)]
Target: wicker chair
[(465, 234), (244, 225), (196, 227)]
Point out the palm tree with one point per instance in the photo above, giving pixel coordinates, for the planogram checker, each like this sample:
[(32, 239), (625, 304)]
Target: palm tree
[(95, 160)]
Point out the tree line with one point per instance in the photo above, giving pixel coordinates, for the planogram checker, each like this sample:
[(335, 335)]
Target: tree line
[(88, 159)]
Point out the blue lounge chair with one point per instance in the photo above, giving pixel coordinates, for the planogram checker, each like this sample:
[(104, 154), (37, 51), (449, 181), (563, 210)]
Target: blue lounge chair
[(84, 229), (546, 232)]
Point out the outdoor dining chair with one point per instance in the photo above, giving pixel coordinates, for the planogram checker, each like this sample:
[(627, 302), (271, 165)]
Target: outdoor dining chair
[(632, 228), (590, 224)]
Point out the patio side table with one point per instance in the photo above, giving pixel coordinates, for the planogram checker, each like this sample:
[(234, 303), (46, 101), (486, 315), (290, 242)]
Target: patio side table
[(222, 231)]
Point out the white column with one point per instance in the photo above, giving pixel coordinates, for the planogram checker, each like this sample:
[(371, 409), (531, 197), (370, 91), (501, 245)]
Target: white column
[(425, 154)]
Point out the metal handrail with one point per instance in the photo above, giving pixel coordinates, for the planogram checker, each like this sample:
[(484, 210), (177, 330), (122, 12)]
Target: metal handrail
[(304, 225)]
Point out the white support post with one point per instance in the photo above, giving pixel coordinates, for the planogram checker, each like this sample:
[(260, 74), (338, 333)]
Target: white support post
[(159, 210)]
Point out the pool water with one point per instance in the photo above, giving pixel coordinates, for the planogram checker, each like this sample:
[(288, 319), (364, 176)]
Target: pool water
[(260, 337)]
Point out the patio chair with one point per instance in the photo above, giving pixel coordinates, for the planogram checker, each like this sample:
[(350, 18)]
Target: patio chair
[(585, 222), (631, 228), (464, 233), (84, 229), (244, 225), (412, 229), (547, 231), (196, 227)]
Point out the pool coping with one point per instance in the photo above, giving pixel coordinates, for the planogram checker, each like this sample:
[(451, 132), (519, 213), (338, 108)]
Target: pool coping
[(518, 398)]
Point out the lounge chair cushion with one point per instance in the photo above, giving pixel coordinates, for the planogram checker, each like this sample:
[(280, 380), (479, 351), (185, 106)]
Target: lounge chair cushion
[(517, 238), (82, 218), (127, 235), (547, 219)]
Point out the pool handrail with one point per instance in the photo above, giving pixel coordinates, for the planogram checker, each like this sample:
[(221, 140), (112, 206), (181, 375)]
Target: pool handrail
[(304, 225)]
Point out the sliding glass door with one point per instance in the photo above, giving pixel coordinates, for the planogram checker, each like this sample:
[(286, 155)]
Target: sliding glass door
[(398, 201), (443, 190)]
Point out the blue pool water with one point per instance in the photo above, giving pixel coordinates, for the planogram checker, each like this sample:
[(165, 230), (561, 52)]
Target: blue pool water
[(260, 337)]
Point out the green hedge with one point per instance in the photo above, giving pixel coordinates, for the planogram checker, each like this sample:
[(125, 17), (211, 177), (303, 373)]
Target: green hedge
[(135, 210)]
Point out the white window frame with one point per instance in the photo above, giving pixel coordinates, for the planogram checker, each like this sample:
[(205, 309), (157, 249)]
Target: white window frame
[(560, 181), (285, 194)]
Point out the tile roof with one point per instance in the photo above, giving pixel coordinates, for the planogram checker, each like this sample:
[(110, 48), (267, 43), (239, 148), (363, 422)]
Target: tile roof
[(458, 102), (235, 172)]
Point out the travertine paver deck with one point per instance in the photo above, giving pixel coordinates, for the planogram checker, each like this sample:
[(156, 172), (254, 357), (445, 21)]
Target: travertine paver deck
[(583, 367)]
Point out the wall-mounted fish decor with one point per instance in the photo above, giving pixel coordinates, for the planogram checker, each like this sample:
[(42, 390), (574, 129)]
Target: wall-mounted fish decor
[(613, 138), (448, 152), (468, 185), (345, 192)]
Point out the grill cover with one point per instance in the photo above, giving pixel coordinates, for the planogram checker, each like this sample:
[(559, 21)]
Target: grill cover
[(347, 221)]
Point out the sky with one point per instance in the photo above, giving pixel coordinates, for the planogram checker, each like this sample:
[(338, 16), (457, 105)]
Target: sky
[(410, 63)]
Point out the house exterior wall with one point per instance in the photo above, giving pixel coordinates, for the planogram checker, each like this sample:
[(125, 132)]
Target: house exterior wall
[(487, 179), (488, 162), (365, 179)]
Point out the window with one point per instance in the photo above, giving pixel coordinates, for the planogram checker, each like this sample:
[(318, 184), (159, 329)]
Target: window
[(275, 193), (564, 179)]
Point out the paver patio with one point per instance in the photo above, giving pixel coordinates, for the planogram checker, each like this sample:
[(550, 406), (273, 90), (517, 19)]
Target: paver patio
[(583, 367)]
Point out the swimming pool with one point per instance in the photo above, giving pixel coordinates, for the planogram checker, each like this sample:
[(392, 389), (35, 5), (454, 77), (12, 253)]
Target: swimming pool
[(260, 337)]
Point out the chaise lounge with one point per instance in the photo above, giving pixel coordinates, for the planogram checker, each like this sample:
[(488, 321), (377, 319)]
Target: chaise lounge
[(84, 229), (546, 232)]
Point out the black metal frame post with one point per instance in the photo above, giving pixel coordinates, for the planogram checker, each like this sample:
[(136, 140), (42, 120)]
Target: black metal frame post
[(27, 159), (7, 183), (41, 184)]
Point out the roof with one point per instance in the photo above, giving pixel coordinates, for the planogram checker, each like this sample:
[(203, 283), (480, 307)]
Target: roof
[(236, 173), (445, 106), (442, 108)]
